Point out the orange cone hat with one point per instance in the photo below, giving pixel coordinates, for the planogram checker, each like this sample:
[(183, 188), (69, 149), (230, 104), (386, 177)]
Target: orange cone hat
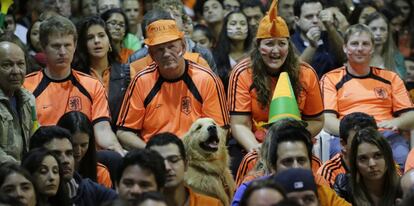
[(272, 25)]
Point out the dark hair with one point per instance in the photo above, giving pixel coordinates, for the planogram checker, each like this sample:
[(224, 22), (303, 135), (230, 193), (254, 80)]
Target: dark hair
[(9, 200), (76, 122), (355, 121), (288, 130), (223, 47), (297, 6), (154, 15), (252, 3), (156, 196), (45, 134), (199, 6), (28, 39), (391, 179), (353, 18), (107, 14), (287, 202), (146, 159), (32, 161), (82, 60), (206, 31), (166, 138), (260, 184)]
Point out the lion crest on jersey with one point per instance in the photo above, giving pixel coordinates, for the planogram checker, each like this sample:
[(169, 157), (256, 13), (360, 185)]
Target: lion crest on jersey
[(186, 105), (75, 103), (381, 93)]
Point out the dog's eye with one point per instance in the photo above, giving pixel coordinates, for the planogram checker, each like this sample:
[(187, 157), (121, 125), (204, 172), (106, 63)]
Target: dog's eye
[(198, 127)]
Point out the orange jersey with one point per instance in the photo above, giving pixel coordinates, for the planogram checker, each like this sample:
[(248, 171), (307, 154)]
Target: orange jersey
[(124, 55), (106, 74), (381, 94), (78, 92), (153, 104), (332, 168), (197, 199), (103, 177), (246, 167), (142, 63), (242, 97)]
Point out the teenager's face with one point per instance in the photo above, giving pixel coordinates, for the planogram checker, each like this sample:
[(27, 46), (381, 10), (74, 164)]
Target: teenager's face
[(213, 11), (80, 146), (97, 42), (237, 27), (134, 181), (201, 39), (17, 186), (370, 162)]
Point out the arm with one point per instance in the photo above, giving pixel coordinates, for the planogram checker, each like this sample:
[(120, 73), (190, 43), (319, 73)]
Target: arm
[(4, 157), (106, 138), (331, 124), (241, 130), (130, 140), (315, 124), (335, 39), (313, 36), (404, 122)]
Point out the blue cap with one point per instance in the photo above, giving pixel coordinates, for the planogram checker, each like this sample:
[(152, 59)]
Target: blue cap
[(296, 179)]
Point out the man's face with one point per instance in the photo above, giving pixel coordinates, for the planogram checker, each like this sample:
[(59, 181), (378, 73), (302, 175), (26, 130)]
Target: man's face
[(131, 9), (359, 48), (254, 15), (292, 155), (174, 164), (105, 5), (286, 11), (304, 198), (230, 5), (309, 16), (59, 51), (64, 7), (134, 181), (168, 57), (12, 67), (63, 149)]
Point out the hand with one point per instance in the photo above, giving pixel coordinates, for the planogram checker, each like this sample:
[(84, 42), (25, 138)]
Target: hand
[(326, 16), (313, 35), (118, 149), (392, 124), (256, 149)]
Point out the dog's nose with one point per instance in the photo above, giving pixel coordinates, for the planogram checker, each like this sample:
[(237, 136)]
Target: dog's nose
[(211, 128)]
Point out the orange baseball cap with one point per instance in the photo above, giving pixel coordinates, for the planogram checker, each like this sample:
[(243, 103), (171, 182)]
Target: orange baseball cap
[(162, 31), (272, 25)]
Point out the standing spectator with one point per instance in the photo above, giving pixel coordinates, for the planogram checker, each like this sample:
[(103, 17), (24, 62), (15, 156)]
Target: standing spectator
[(16, 182), (17, 106), (321, 49), (47, 177), (74, 90), (172, 92), (358, 87)]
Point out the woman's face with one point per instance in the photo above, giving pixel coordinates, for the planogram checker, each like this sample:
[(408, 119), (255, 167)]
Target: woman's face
[(359, 48), (97, 41), (213, 11), (404, 8), (274, 52), (380, 30), (47, 177), (89, 8), (17, 186), (34, 36), (80, 146), (116, 26), (370, 162), (199, 38), (237, 27)]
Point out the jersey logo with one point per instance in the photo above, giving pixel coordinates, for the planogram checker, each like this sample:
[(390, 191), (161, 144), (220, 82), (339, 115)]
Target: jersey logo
[(381, 93), (186, 105), (75, 103)]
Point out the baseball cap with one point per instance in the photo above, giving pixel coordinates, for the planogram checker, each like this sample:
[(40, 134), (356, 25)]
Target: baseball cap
[(272, 25), (296, 180), (162, 31)]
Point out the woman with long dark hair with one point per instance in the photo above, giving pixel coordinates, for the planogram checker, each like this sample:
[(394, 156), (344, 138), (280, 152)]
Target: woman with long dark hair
[(84, 147), (46, 172)]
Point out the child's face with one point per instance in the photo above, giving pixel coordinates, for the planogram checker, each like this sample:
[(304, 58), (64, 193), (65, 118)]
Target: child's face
[(409, 65)]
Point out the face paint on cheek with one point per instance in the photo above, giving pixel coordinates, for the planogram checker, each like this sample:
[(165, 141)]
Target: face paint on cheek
[(265, 50)]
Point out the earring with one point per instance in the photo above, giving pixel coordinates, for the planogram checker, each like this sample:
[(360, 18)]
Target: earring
[(110, 48)]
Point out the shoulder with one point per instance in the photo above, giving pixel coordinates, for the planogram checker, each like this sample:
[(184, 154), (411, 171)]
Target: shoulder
[(198, 72), (242, 69), (335, 74), (200, 199)]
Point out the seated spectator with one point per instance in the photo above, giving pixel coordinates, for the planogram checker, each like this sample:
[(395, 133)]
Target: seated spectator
[(6, 200), (254, 11), (105, 5), (140, 171), (213, 13), (404, 36), (359, 87), (263, 192), (172, 150), (407, 183), (16, 182), (82, 191), (151, 199), (202, 36), (299, 185), (47, 174), (285, 10), (88, 8), (38, 58), (84, 148)]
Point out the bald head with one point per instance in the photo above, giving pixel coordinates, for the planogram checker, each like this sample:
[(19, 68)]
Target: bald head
[(407, 181), (12, 67)]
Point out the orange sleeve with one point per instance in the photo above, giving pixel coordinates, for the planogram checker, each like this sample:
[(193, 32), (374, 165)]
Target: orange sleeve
[(132, 111), (246, 165), (139, 65), (103, 176), (197, 58), (239, 91), (100, 107), (313, 105), (327, 196), (214, 103), (409, 163), (401, 98), (329, 94)]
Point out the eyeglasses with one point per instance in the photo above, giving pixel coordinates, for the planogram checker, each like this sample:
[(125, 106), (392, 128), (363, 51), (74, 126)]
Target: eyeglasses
[(114, 24)]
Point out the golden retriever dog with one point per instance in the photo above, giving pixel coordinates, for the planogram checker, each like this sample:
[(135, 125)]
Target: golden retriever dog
[(208, 172)]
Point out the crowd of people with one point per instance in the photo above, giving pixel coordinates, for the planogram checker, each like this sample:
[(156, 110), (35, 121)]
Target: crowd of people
[(96, 96)]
